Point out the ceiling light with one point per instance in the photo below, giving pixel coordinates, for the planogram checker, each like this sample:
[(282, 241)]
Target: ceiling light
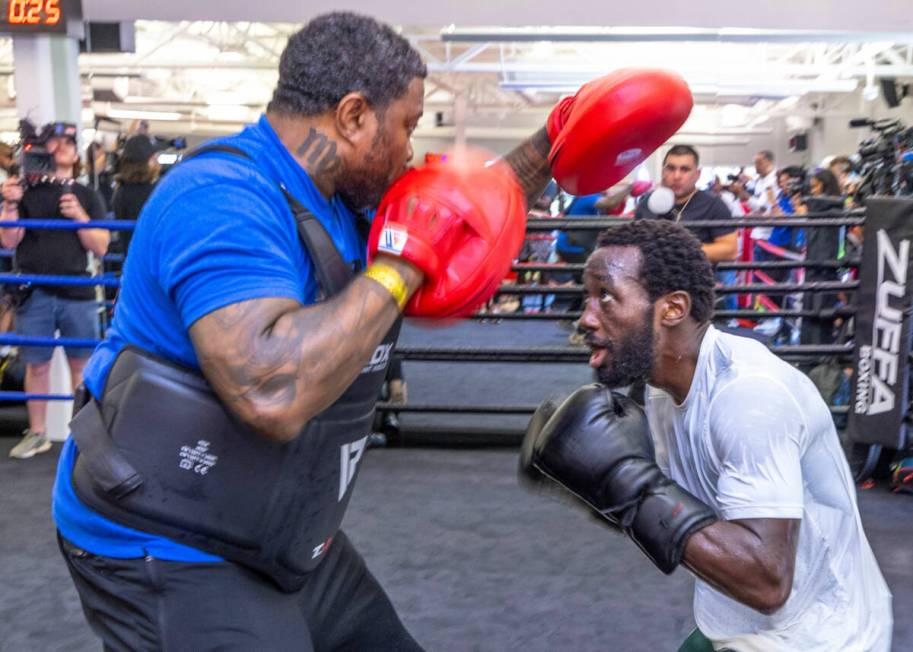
[(870, 93), (663, 34), (129, 114)]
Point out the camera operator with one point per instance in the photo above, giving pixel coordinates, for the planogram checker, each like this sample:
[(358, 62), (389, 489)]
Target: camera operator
[(71, 310), (137, 173)]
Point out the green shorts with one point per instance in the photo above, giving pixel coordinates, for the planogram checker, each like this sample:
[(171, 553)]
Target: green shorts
[(697, 642)]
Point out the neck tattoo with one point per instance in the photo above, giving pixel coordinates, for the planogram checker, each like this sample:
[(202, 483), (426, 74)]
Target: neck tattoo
[(322, 157)]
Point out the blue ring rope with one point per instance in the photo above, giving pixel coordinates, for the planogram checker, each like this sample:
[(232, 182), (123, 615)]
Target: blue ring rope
[(68, 225), (108, 258), (60, 281), (34, 340), (25, 396)]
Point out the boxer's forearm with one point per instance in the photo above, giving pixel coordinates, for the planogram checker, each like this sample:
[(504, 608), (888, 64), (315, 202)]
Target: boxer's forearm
[(275, 364), (751, 561), (529, 161)]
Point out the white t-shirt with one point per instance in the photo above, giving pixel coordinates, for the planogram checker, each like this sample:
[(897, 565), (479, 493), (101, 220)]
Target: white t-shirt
[(754, 439), (732, 203), (759, 202)]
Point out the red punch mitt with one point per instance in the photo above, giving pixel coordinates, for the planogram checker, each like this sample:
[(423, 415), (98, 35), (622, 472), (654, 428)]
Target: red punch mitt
[(612, 124), (461, 221)]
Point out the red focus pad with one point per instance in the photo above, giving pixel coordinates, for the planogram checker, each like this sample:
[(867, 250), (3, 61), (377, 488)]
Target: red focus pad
[(612, 124), (462, 222)]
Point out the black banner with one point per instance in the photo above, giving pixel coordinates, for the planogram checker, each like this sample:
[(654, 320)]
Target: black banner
[(881, 382)]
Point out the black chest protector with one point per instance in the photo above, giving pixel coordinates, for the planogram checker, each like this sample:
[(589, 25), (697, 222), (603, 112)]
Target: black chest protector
[(160, 453)]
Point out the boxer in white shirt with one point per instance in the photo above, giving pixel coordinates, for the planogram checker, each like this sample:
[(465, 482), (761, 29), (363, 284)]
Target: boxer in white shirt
[(749, 488)]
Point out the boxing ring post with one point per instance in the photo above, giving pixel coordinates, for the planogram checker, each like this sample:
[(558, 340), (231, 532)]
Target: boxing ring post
[(59, 413), (880, 394)]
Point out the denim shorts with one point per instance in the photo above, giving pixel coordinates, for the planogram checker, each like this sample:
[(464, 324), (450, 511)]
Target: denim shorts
[(43, 313)]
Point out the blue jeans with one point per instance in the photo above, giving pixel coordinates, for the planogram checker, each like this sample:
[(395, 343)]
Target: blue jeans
[(42, 313), (728, 278)]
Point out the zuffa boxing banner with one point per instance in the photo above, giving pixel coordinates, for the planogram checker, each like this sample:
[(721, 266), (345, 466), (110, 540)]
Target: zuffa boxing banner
[(880, 400)]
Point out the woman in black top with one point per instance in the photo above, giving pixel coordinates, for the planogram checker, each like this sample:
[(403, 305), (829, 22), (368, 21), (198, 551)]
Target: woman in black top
[(137, 174)]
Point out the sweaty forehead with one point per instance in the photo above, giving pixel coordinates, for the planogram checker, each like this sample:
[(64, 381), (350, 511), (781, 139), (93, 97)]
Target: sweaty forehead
[(614, 264)]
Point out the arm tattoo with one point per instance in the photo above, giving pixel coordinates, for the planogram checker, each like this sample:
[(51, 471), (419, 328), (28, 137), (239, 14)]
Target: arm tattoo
[(529, 161), (274, 362)]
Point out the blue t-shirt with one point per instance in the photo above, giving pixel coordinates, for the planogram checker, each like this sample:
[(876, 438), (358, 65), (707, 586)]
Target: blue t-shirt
[(216, 231), (782, 236), (581, 206)]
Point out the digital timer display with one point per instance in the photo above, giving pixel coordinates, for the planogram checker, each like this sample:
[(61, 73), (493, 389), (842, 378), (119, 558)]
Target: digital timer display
[(35, 16)]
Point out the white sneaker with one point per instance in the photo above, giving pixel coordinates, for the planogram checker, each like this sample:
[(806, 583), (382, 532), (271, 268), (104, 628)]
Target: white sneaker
[(769, 327), (31, 444)]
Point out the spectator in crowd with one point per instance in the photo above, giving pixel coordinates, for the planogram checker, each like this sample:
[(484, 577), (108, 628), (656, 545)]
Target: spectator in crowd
[(823, 243), (99, 175), (138, 172), (538, 248), (763, 192), (7, 169), (737, 187), (575, 246), (841, 167), (788, 194), (7, 162), (681, 171), (728, 194), (737, 210), (46, 309)]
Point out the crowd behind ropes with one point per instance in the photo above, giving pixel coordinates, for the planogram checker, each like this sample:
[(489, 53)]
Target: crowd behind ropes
[(115, 183), (687, 193)]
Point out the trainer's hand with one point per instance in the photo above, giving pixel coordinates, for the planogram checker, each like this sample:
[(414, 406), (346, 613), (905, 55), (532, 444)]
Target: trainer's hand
[(461, 222), (597, 445), (12, 190), (72, 209), (612, 125)]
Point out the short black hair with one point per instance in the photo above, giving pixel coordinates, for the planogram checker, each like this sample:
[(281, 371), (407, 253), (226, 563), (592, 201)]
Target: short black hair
[(340, 53), (683, 150), (767, 154), (671, 259)]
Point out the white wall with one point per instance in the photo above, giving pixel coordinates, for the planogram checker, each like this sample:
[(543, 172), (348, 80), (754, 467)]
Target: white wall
[(832, 135)]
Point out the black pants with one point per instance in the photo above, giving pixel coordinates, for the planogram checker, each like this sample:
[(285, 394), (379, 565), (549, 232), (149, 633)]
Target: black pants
[(151, 604)]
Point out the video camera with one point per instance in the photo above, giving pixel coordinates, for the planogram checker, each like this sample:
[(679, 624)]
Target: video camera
[(36, 164), (799, 183), (882, 160)]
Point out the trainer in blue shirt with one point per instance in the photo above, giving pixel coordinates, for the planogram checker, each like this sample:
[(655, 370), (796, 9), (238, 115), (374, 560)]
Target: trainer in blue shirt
[(234, 391)]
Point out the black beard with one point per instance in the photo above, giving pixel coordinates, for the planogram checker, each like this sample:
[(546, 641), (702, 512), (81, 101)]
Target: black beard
[(631, 358), (363, 187)]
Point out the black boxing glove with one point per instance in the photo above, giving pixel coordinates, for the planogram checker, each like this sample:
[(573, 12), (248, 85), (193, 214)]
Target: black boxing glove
[(597, 446), (533, 479)]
